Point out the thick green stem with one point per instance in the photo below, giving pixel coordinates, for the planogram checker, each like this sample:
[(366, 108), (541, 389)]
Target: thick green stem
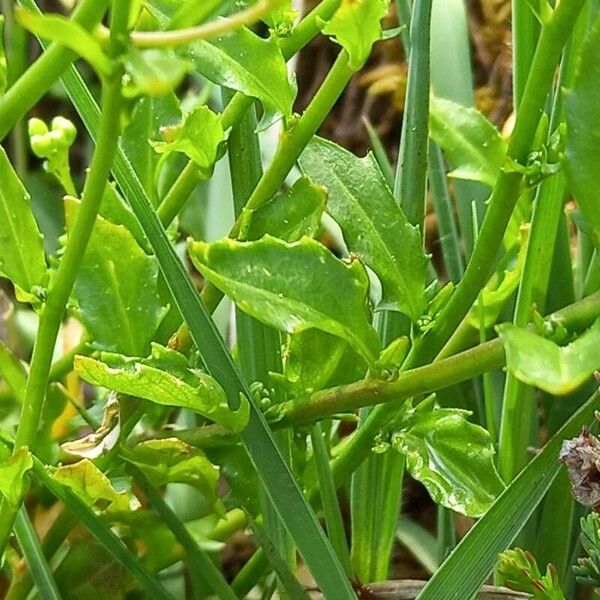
[(508, 187), (59, 292), (525, 31), (40, 76)]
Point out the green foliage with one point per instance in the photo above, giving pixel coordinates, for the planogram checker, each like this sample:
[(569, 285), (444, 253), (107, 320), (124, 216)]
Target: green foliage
[(198, 136), (518, 570), (244, 62), (170, 460), (117, 300), (3, 66), (273, 281), (153, 72), (374, 227), (293, 215), (13, 479), (21, 246), (587, 570), (356, 26), (164, 378), (473, 145), (452, 458), (91, 486), (67, 33), (581, 159), (541, 362)]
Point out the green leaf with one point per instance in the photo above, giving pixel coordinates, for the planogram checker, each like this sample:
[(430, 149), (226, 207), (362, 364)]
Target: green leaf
[(13, 483), (582, 162), (21, 245), (198, 136), (289, 216), (170, 460), (312, 362), (356, 26), (69, 33), (461, 576), (91, 486), (114, 209), (115, 294), (292, 287), (452, 458), (474, 147), (163, 378), (542, 363), (374, 226), (153, 72), (246, 63), (499, 289)]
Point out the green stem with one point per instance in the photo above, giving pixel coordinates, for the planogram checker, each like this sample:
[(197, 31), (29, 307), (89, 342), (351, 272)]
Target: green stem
[(239, 104), (369, 392), (59, 292), (574, 317), (525, 31), (508, 187), (411, 175), (42, 74)]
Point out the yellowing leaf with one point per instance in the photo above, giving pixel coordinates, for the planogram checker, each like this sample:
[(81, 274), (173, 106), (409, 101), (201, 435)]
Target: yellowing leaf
[(13, 482), (91, 486)]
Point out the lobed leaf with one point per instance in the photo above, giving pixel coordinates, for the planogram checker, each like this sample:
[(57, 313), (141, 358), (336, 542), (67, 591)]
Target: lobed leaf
[(356, 26), (581, 161), (451, 457), (474, 147), (198, 136), (244, 62), (116, 299), (374, 226), (163, 378), (13, 483), (542, 363), (292, 287), (91, 486), (21, 245)]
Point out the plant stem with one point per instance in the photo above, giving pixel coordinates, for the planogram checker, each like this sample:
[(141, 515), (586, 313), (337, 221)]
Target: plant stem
[(206, 31), (507, 190), (411, 174), (59, 292), (39, 77), (237, 107), (525, 31)]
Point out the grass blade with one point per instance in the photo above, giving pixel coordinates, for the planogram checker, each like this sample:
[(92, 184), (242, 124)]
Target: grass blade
[(32, 551)]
